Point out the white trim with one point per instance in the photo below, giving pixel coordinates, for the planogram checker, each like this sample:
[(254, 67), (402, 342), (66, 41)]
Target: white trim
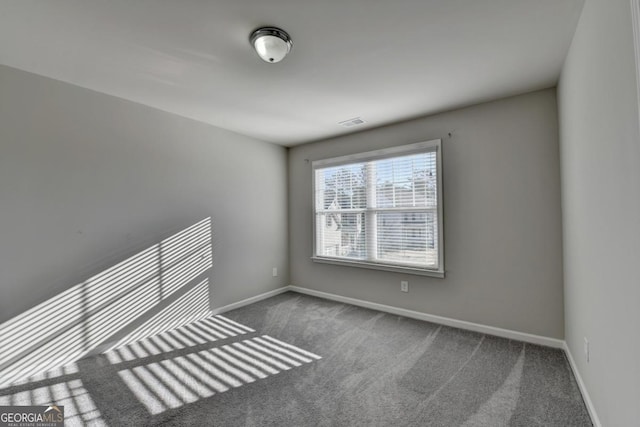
[(461, 324), (251, 300), (420, 271), (440, 213), (635, 18), (583, 388)]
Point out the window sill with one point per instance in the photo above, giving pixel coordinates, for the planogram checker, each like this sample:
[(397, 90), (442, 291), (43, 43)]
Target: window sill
[(384, 267)]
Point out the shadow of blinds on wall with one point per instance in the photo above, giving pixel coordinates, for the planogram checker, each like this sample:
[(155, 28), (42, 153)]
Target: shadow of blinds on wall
[(71, 324)]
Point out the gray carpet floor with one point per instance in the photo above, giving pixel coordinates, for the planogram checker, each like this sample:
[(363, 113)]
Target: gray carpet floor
[(295, 360)]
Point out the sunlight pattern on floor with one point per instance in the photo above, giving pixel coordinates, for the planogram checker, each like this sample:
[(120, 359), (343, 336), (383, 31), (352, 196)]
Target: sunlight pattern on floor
[(171, 383), (70, 369), (197, 333), (79, 408)]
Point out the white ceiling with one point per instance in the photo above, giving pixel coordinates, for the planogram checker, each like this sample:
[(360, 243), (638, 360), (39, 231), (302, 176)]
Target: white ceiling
[(382, 60)]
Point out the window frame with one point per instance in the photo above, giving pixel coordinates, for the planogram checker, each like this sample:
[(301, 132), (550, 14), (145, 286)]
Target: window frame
[(434, 145)]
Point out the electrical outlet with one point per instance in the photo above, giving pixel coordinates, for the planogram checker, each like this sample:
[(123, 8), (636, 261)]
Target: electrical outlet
[(274, 272), (586, 349), (404, 286)]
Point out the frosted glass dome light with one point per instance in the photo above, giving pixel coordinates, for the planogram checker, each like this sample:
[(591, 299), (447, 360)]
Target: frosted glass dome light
[(272, 44)]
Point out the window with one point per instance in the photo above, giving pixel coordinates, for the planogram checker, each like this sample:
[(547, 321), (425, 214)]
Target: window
[(381, 209)]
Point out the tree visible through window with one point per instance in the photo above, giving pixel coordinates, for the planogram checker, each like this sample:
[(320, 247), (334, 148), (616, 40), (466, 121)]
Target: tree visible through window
[(381, 208)]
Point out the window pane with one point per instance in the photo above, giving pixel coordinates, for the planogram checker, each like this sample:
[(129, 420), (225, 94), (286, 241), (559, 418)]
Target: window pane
[(341, 187), (341, 235), (406, 181), (408, 238)]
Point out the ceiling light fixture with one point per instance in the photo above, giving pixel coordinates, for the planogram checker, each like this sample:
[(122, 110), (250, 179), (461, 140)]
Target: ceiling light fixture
[(272, 44)]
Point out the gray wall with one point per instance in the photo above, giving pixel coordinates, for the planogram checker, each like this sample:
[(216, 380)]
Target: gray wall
[(600, 152), (503, 250), (88, 179)]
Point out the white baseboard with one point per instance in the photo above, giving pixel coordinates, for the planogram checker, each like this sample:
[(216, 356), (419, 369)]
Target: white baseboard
[(470, 326), (251, 300), (583, 389)]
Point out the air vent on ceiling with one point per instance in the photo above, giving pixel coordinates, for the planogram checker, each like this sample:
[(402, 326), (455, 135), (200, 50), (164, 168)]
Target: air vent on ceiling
[(352, 122)]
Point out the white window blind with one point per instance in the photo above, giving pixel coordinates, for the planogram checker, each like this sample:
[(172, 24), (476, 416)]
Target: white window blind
[(381, 209)]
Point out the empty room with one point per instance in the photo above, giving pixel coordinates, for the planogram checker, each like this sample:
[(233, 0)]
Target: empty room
[(307, 213)]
